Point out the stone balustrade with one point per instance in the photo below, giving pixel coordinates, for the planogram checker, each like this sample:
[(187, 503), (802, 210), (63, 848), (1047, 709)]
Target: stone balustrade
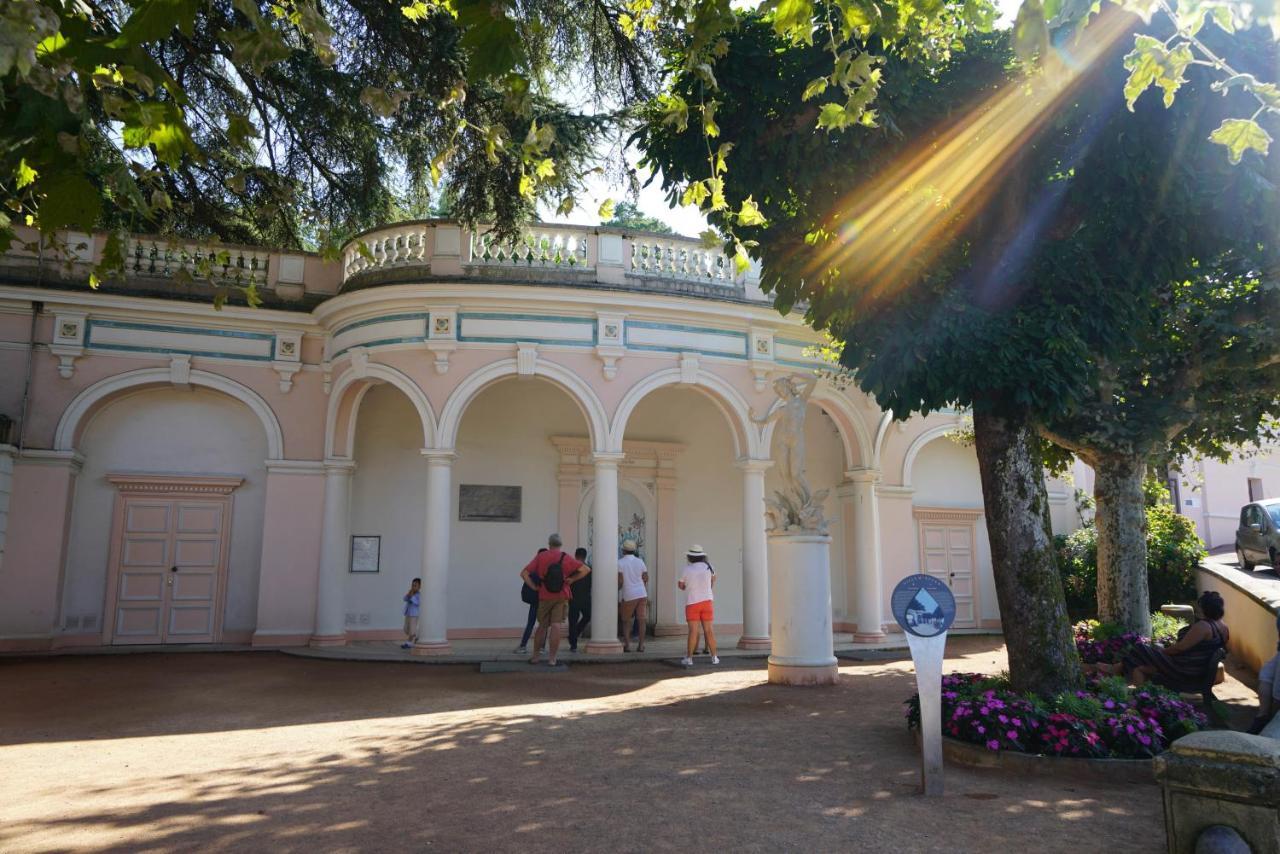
[(152, 256), (403, 253), (545, 253)]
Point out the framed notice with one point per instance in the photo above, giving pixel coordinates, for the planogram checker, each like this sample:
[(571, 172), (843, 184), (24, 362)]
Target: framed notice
[(486, 503), (366, 552)]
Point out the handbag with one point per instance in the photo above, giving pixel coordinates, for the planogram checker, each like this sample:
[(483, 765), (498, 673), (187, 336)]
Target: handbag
[(528, 595)]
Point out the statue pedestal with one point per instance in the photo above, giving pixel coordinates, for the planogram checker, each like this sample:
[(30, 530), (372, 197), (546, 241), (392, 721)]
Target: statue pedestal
[(800, 609)]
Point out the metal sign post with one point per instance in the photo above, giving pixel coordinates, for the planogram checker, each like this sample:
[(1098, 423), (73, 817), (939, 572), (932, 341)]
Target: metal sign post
[(925, 609)]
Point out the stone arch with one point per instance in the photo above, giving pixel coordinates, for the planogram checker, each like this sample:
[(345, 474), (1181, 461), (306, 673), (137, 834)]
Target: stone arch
[(882, 429), (917, 445), (344, 404), (88, 401), (734, 407), (578, 390), (854, 439)]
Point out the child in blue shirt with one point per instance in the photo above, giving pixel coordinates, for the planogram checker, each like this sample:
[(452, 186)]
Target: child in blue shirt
[(412, 602)]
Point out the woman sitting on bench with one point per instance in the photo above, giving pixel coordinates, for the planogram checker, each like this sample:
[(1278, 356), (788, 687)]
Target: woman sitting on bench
[(1185, 661)]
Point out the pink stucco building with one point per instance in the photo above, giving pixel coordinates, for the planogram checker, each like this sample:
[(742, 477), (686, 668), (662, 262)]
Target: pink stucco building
[(433, 404)]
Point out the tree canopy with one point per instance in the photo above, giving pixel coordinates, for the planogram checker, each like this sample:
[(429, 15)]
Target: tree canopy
[(299, 124)]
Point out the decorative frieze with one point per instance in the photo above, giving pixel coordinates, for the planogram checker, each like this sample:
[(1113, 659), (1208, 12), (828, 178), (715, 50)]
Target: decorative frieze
[(174, 484)]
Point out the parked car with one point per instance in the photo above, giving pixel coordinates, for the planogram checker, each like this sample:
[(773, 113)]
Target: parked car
[(1258, 537)]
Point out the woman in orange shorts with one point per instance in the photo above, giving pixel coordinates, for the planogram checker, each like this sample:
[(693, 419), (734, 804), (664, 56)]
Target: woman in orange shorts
[(696, 581)]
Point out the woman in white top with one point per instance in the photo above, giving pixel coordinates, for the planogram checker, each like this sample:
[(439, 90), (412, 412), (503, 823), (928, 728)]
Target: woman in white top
[(632, 578), (696, 582)]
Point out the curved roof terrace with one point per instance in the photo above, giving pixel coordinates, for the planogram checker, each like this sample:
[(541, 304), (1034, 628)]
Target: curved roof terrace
[(561, 255)]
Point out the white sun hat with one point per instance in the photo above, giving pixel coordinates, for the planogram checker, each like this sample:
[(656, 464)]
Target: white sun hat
[(628, 545), (696, 551)]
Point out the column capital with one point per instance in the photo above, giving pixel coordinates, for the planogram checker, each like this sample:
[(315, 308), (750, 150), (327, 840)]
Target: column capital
[(295, 466), (749, 464), (609, 459), (439, 456), (339, 466), (862, 475)]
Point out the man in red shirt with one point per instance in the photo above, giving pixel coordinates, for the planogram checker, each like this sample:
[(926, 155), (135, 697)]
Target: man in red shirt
[(556, 572)]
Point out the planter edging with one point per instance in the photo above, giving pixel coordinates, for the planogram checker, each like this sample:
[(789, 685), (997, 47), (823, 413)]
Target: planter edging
[(1042, 765)]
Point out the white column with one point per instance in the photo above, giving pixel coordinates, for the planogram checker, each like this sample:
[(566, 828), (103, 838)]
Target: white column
[(755, 561), (335, 555), (868, 574), (800, 601), (604, 557), (433, 622)]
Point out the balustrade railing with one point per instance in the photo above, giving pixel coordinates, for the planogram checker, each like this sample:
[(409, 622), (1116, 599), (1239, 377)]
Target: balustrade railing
[(146, 256), (535, 247), (611, 256), (680, 259), (391, 247)]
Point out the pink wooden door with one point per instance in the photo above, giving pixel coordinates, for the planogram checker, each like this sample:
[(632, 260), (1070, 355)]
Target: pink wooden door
[(947, 554), (170, 562)]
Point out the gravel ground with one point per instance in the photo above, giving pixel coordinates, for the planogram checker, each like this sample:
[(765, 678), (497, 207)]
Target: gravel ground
[(265, 752)]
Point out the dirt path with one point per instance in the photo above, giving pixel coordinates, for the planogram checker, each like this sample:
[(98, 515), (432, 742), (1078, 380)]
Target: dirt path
[(263, 752)]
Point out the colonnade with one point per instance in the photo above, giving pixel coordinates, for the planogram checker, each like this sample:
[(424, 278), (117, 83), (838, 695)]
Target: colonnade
[(856, 494)]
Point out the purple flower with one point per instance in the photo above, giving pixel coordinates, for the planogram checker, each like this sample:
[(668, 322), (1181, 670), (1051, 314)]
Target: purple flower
[(993, 745), (1012, 735)]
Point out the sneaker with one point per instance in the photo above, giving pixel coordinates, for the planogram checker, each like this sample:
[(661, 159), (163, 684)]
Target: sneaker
[(406, 646), (573, 649), (520, 651), (686, 662), (715, 659)]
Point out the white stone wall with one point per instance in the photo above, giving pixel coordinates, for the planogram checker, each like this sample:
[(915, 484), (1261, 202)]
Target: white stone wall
[(167, 431), (946, 475)]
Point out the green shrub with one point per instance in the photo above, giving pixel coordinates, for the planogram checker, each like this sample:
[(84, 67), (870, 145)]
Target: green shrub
[(1163, 626), (1173, 552)]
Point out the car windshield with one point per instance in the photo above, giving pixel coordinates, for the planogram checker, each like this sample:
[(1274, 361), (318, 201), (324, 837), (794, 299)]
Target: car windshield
[(1274, 512)]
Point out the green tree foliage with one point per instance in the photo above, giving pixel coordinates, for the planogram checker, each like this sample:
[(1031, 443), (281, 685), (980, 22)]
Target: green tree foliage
[(1034, 283), (1179, 34), (628, 215), (287, 122)]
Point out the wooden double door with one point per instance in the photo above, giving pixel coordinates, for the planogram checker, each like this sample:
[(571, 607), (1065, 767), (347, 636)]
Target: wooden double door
[(948, 553), (169, 562)]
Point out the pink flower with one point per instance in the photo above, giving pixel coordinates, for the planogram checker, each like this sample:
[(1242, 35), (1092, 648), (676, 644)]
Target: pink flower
[(993, 745), (1012, 735)]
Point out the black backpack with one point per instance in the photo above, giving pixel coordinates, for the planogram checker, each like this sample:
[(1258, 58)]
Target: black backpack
[(553, 581)]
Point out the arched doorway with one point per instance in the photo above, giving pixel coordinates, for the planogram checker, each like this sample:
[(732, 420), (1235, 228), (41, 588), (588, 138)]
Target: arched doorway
[(166, 531), (509, 494)]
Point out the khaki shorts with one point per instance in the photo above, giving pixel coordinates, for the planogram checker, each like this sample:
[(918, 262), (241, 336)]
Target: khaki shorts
[(411, 626), (552, 611)]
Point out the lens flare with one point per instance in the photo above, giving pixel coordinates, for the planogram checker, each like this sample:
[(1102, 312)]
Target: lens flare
[(903, 218)]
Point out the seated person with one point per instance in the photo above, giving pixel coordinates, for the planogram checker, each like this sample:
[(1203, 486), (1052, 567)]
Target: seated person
[(1268, 690), (1182, 661)]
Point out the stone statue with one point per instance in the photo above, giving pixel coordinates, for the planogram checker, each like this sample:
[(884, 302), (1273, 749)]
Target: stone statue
[(795, 507)]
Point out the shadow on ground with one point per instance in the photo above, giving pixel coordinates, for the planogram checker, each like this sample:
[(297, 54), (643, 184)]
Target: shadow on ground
[(263, 752)]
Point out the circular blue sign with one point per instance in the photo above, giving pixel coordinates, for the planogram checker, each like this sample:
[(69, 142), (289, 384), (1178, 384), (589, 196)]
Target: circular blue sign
[(923, 605)]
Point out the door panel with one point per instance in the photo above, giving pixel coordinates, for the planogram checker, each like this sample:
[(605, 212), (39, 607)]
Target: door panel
[(170, 561), (947, 554)]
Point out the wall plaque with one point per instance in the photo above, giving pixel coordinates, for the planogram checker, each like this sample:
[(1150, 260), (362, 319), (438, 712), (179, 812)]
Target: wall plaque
[(478, 502), (366, 554)]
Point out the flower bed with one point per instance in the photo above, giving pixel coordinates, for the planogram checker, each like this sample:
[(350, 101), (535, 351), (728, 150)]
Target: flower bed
[(1099, 642), (1108, 720)]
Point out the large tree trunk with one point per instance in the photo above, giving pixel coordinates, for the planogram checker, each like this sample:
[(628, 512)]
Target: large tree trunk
[(1121, 520), (1042, 651)]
